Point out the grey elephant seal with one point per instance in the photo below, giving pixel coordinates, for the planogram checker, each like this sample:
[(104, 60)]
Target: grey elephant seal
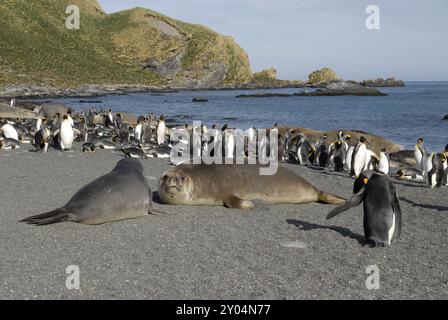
[(236, 185), (121, 194)]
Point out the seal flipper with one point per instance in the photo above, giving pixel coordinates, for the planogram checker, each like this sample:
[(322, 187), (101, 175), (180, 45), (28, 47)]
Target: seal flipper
[(55, 216), (353, 202), (237, 203), (328, 198)]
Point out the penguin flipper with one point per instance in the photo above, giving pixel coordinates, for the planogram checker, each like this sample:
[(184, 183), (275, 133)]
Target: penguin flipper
[(353, 202), (397, 210), (55, 216)]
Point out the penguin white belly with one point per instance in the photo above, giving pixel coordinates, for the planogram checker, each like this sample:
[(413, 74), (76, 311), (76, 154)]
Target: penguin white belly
[(38, 124), (445, 175), (10, 132), (392, 229), (383, 165), (299, 155), (433, 180), (67, 135), (424, 165), (230, 146), (138, 132), (348, 158), (419, 177), (360, 160), (368, 162), (418, 157), (429, 165), (161, 133)]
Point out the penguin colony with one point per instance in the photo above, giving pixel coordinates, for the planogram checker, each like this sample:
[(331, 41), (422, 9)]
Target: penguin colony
[(146, 136)]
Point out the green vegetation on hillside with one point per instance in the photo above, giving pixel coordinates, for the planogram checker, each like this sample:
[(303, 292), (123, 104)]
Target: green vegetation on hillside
[(37, 48), (322, 75)]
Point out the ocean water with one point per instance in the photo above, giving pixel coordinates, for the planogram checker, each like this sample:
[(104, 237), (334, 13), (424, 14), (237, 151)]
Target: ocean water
[(404, 115)]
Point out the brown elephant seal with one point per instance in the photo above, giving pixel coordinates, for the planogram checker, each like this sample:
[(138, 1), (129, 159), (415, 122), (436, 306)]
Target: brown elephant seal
[(121, 194), (235, 185)]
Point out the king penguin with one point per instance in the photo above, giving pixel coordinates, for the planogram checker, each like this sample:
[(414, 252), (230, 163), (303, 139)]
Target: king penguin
[(161, 128), (384, 162), (382, 212), (339, 156), (420, 155), (66, 133), (437, 176), (358, 160)]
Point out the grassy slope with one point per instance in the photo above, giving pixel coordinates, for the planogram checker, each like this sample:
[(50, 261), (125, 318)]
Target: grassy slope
[(37, 48)]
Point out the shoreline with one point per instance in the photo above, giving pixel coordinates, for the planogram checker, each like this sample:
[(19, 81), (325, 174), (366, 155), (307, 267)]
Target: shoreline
[(29, 91)]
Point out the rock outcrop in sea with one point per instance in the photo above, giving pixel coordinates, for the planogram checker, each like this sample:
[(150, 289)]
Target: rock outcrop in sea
[(343, 88), (389, 82)]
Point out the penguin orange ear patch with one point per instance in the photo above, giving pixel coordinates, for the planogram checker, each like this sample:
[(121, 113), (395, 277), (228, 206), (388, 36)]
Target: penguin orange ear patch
[(365, 180)]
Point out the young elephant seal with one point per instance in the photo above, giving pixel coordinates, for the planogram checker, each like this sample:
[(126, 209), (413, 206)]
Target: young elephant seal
[(121, 194), (236, 185)]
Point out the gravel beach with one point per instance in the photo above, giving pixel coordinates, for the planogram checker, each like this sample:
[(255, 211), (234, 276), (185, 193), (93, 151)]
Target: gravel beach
[(270, 252)]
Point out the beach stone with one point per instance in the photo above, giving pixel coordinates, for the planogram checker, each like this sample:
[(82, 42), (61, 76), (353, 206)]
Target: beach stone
[(293, 244)]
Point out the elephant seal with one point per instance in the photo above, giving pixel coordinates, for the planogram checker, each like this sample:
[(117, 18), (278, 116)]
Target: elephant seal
[(8, 112), (121, 194), (235, 185)]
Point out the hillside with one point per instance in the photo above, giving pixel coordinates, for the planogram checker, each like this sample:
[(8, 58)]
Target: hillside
[(136, 46)]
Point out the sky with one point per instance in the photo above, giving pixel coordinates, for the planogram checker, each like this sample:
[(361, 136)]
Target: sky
[(299, 36)]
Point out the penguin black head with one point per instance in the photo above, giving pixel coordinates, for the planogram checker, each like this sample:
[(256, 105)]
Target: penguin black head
[(400, 173), (361, 182), (442, 157), (420, 140), (348, 137), (363, 139), (65, 117), (446, 148), (57, 114), (384, 150), (69, 111)]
